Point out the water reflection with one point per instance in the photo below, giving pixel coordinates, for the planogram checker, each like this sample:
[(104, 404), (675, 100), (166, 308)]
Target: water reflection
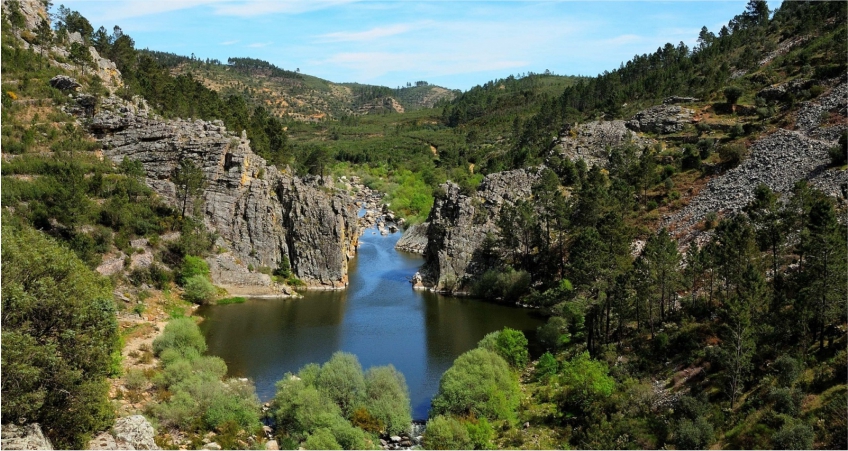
[(379, 318)]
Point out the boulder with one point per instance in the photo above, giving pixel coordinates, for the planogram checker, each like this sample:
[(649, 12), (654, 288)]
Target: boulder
[(64, 83), (414, 239), (134, 432), (212, 445), (661, 119), (272, 445), (29, 436)]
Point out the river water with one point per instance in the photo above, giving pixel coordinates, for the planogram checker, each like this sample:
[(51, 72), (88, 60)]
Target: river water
[(379, 318)]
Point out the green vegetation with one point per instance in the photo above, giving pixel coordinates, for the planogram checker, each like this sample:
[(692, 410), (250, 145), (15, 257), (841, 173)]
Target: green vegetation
[(336, 406), (232, 300), (59, 338)]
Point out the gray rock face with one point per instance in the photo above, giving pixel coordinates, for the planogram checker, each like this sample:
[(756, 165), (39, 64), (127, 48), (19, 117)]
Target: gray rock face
[(777, 160), (459, 224), (29, 436), (64, 83), (590, 141), (262, 214), (414, 239), (134, 432), (661, 119), (782, 90)]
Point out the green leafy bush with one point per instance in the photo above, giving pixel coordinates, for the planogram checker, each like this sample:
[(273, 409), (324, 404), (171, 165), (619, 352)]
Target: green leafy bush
[(547, 366), (321, 438), (697, 434), (193, 266), (795, 435), (182, 336), (446, 433), (199, 289), (59, 335), (480, 383), (387, 398), (341, 379)]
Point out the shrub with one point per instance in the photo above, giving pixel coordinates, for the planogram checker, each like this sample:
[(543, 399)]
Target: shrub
[(732, 94), (786, 369), (387, 398), (512, 346), (795, 435), (479, 383), (321, 439), (506, 285), (785, 400), (341, 379), (554, 334), (193, 266), (588, 381), (236, 402), (199, 289), (547, 366), (59, 336), (696, 434), (480, 433), (181, 335), (446, 433), (839, 153), (135, 379)]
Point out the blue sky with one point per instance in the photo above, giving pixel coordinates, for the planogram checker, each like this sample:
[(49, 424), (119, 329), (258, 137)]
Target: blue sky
[(456, 44)]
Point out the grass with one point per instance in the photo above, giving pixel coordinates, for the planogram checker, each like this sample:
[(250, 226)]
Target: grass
[(231, 300)]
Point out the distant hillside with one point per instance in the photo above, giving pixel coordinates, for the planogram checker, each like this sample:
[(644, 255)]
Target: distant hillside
[(298, 96)]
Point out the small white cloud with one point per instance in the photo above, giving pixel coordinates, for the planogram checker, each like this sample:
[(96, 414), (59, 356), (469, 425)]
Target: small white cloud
[(228, 42), (368, 35), (257, 45), (251, 8)]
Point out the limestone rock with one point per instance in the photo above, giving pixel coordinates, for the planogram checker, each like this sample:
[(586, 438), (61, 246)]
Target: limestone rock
[(64, 82), (134, 432), (104, 441), (272, 445), (28, 436), (264, 214), (661, 119), (590, 141), (459, 223), (414, 239)]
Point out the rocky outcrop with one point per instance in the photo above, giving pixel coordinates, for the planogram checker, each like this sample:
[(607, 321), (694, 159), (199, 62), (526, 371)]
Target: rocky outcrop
[(459, 223), (133, 433), (28, 436), (590, 141), (263, 215), (414, 239), (381, 105), (661, 119), (64, 82), (679, 99), (783, 90), (778, 160)]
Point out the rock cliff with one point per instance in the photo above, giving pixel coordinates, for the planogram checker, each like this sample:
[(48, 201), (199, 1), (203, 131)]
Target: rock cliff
[(459, 223), (414, 239), (262, 214), (591, 141), (28, 436)]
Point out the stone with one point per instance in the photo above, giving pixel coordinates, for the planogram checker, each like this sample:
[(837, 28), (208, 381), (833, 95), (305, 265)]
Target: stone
[(134, 432), (591, 140), (395, 438), (103, 441), (64, 83), (661, 119), (212, 445), (414, 239), (459, 223), (383, 442), (272, 445), (28, 436), (263, 213)]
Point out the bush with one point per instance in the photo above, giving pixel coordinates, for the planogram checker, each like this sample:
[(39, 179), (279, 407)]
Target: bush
[(696, 434), (59, 336), (588, 382), (547, 366), (387, 398), (512, 346), (181, 335), (321, 439), (341, 379), (785, 400), (507, 285), (554, 334), (479, 383), (839, 153), (795, 435), (135, 379), (446, 433), (480, 433), (786, 369), (193, 266), (199, 289), (732, 94)]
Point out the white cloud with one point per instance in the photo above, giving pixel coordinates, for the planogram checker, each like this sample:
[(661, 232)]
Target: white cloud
[(252, 8), (228, 42), (368, 35), (256, 45)]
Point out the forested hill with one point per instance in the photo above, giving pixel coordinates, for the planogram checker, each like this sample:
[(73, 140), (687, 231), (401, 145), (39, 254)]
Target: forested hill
[(294, 95)]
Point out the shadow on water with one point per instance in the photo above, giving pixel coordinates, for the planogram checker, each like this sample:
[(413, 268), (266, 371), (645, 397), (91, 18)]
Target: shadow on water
[(380, 318)]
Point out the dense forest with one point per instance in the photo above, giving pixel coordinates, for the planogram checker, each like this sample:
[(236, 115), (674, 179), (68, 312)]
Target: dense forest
[(734, 340)]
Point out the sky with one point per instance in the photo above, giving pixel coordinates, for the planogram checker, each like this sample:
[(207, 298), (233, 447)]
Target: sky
[(456, 44)]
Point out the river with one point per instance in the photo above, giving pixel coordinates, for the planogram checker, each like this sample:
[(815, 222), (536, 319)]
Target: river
[(379, 318)]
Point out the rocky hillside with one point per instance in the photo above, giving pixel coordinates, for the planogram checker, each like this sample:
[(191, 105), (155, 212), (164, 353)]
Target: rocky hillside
[(261, 214)]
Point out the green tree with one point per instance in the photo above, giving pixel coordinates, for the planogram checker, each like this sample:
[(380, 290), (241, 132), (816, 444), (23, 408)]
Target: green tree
[(189, 181), (511, 344), (387, 398), (59, 337), (444, 432), (479, 383), (586, 381), (732, 94), (341, 379)]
